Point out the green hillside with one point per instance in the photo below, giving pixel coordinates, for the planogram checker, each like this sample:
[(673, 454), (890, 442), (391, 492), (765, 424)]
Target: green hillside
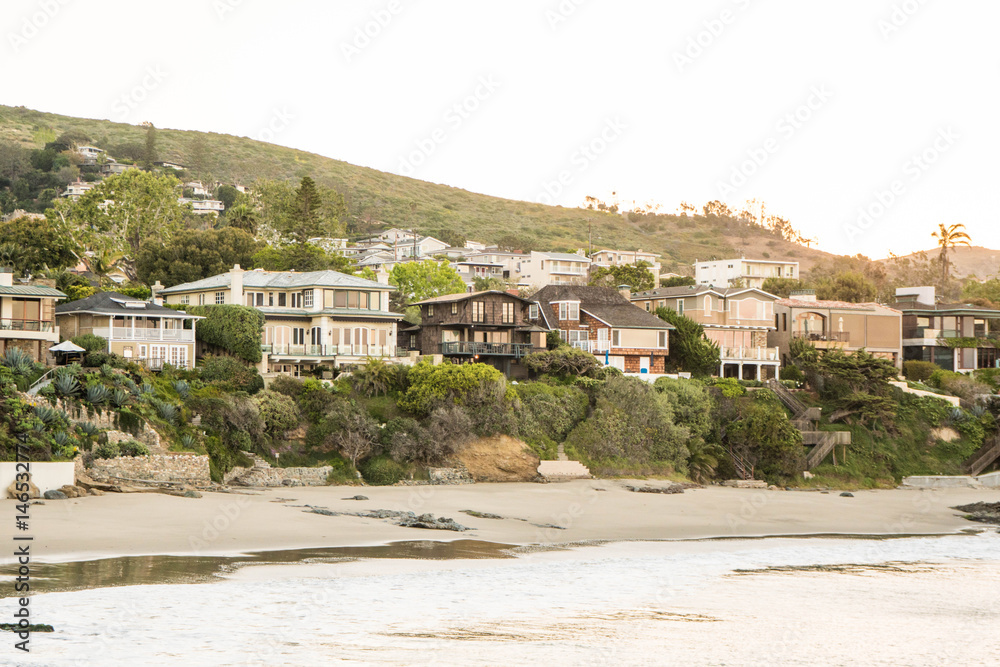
[(376, 198)]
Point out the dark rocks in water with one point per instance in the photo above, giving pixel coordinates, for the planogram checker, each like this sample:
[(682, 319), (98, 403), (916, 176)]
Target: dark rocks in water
[(54, 495), (673, 488), (846, 494), (981, 512), (428, 521), (356, 498), (481, 515), (190, 494), (324, 512)]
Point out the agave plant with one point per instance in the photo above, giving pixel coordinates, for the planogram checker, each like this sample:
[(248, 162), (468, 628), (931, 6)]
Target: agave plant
[(130, 385), (46, 414), (17, 360), (66, 385), (182, 388), (106, 371), (168, 411), (147, 389), (89, 430), (119, 398), (38, 427), (97, 394), (188, 441), (61, 438)]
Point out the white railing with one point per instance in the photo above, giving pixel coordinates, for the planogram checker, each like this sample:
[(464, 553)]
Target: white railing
[(592, 346), (749, 353), (127, 333), (329, 350)]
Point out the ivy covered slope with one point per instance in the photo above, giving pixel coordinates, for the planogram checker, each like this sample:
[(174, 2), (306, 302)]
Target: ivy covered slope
[(373, 195)]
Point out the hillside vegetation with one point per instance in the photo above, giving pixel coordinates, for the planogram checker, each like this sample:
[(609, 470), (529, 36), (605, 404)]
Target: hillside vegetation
[(376, 198)]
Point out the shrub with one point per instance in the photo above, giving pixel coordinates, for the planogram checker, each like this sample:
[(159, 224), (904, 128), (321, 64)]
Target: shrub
[(381, 471), (133, 448), (376, 378), (431, 386), (107, 450), (342, 473), (919, 371), (287, 385), (235, 329), (564, 361), (549, 412), (278, 411), (351, 431), (791, 373), (230, 373), (730, 387), (90, 342), (17, 360), (182, 388), (315, 399)]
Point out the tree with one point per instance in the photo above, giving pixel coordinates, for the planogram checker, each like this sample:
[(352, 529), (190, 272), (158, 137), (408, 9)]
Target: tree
[(988, 290), (228, 195), (689, 349), (242, 216), (314, 212), (123, 211), (300, 257), (28, 246), (422, 280), (782, 287), (149, 155), (487, 284), (193, 255), (451, 384), (948, 237), (848, 286), (638, 277), (677, 281)]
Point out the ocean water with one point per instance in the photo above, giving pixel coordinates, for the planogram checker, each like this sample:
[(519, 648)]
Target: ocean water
[(812, 601)]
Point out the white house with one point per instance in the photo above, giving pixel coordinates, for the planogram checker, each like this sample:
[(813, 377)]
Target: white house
[(752, 272)]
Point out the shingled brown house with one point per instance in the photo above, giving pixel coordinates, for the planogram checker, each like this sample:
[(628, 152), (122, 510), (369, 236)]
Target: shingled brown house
[(488, 327), (604, 322)]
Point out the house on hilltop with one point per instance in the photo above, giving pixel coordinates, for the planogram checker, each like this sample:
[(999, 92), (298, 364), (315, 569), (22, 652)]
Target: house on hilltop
[(955, 336)]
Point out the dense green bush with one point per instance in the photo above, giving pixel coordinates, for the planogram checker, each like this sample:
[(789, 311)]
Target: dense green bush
[(133, 448), (549, 411), (791, 372), (90, 342), (381, 471), (107, 450), (919, 371), (231, 374), (432, 386), (563, 361), (236, 329), (278, 411), (287, 385), (729, 387)]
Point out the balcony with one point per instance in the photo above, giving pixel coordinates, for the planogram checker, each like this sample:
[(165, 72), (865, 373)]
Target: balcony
[(592, 346), (39, 326), (748, 353), (320, 351), (824, 336), (155, 335), (469, 348), (927, 333), (157, 364)]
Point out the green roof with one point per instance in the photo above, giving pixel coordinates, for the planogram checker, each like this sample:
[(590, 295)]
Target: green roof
[(31, 290)]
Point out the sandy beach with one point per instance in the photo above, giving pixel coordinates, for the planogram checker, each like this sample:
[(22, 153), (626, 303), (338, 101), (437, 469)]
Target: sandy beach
[(583, 510)]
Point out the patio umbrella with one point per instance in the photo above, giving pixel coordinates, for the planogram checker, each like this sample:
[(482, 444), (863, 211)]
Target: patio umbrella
[(67, 347)]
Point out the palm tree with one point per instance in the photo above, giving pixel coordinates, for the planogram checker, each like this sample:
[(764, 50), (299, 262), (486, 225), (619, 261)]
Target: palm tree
[(951, 236), (242, 216)]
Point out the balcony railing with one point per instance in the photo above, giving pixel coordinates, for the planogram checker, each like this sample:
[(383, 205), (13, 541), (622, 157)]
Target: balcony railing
[(26, 325), (128, 333), (592, 346), (819, 336), (469, 348), (157, 364), (329, 350), (931, 334), (748, 353)]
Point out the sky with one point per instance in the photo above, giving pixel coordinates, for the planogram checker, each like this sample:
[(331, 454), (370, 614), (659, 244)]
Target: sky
[(864, 122)]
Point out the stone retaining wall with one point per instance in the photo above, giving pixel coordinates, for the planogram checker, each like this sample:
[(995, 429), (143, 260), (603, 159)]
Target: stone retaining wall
[(450, 476), (262, 474), (191, 469)]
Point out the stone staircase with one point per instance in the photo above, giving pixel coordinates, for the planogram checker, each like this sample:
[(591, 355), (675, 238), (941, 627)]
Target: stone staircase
[(805, 419), (562, 469)]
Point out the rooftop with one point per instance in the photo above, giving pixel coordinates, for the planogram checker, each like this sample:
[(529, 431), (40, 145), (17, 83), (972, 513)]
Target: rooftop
[(604, 303), (258, 279), (113, 303)]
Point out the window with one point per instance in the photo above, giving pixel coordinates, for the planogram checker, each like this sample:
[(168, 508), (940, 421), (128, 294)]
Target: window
[(616, 338), (430, 310), (260, 298), (374, 298), (508, 313), (352, 299), (661, 338), (307, 297), (533, 311), (478, 311), (298, 336), (281, 299), (708, 304), (647, 306), (270, 298), (186, 299), (220, 298), (680, 306), (784, 321), (569, 310), (201, 299), (340, 299), (454, 308)]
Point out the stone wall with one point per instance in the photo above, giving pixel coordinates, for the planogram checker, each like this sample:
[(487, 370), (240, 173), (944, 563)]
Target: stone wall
[(189, 469), (78, 414), (450, 476), (262, 474)]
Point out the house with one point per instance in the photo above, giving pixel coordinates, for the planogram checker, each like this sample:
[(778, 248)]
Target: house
[(141, 331), (90, 154), (475, 245), (196, 188), (742, 272), (162, 164), (604, 322), (511, 261), (77, 189), (203, 206), (27, 317), (955, 336), (554, 268), (329, 244), (736, 319), (21, 213), (470, 269), (112, 168), (423, 246), (609, 258), (836, 324), (313, 319), (488, 327)]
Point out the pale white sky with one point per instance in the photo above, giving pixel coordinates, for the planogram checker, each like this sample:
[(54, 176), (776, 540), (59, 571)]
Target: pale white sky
[(819, 109)]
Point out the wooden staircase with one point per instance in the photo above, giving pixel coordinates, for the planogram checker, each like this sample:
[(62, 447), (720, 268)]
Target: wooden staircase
[(805, 419), (743, 467), (982, 459)]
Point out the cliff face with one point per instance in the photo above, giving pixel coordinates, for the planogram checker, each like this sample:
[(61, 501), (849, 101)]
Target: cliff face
[(499, 459)]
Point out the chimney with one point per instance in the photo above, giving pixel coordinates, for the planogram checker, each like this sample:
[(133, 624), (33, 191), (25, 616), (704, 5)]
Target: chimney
[(625, 291), (236, 285), (382, 276), (155, 289), (803, 294)]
